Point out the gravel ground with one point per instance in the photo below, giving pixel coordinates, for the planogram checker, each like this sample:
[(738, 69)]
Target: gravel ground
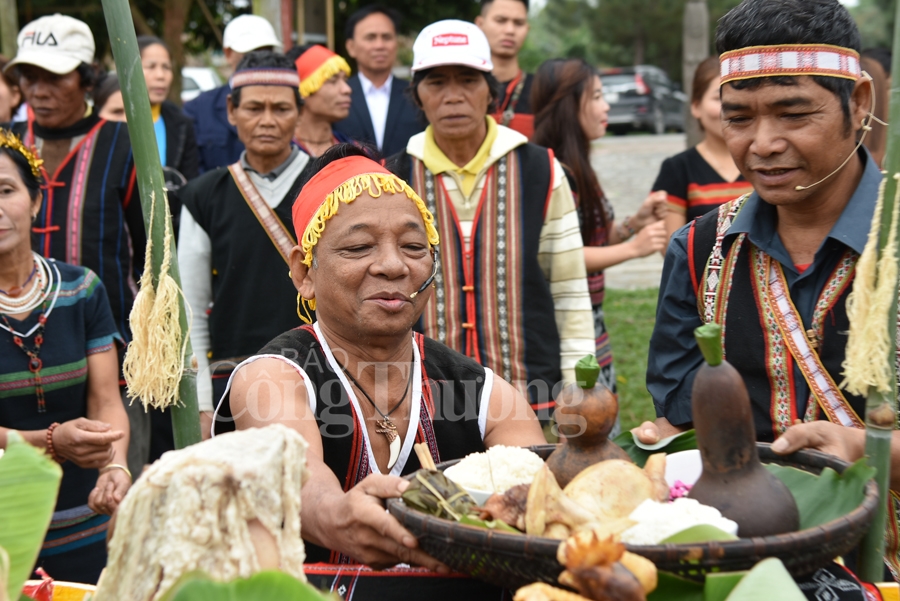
[(627, 167)]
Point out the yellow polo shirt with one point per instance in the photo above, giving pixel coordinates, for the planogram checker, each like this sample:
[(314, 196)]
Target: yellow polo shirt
[(437, 162)]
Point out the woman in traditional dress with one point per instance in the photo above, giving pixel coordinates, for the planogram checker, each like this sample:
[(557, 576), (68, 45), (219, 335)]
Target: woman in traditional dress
[(326, 97), (59, 368), (569, 112), (174, 131), (358, 384), (701, 178)]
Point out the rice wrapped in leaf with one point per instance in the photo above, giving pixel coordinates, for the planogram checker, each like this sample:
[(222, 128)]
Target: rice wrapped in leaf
[(431, 492)]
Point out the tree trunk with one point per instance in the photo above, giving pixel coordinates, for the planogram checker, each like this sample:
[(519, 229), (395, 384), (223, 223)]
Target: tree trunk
[(9, 27), (639, 45), (175, 14), (696, 49)]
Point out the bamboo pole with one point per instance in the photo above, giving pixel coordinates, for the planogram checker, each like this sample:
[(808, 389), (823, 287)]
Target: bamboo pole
[(881, 409), (186, 417)]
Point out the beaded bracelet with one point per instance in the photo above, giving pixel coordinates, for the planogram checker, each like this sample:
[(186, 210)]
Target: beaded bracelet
[(50, 450), (626, 226)]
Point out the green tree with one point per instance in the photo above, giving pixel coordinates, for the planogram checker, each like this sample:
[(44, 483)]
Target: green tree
[(611, 33), (875, 19)]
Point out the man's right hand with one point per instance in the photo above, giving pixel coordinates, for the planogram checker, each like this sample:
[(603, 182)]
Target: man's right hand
[(650, 239), (365, 531), (86, 442)]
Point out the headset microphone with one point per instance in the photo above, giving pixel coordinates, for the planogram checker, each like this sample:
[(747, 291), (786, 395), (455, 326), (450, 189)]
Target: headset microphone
[(434, 267), (866, 128)]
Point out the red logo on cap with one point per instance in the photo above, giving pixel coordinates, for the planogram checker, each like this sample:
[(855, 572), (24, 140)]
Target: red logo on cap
[(450, 39)]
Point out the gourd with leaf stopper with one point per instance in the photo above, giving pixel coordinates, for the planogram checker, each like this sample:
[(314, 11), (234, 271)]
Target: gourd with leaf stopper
[(585, 415), (734, 481)]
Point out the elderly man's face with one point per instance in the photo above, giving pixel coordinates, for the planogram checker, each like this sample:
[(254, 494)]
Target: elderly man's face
[(784, 136), (57, 100), (455, 99), (371, 257), (265, 118)]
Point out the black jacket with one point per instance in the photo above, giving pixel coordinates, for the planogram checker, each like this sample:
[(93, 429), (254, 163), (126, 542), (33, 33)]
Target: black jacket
[(181, 143), (404, 119)]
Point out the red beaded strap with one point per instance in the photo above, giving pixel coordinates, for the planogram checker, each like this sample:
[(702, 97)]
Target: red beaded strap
[(50, 450)]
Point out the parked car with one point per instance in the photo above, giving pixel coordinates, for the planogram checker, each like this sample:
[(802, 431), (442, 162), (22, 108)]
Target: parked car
[(198, 79), (642, 98)]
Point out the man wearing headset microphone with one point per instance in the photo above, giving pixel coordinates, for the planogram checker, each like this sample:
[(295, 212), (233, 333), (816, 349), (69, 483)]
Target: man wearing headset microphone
[(795, 109)]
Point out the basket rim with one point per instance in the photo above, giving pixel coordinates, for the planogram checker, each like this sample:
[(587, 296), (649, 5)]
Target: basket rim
[(775, 544)]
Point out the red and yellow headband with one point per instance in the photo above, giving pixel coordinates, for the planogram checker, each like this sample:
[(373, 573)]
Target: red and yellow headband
[(344, 181), (316, 66), (790, 60)]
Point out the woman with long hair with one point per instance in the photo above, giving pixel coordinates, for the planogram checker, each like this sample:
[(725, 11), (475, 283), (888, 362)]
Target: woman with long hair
[(569, 112), (701, 178)]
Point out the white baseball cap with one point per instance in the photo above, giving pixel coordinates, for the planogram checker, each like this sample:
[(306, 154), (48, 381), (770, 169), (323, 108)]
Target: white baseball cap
[(56, 43), (452, 42), (249, 32)]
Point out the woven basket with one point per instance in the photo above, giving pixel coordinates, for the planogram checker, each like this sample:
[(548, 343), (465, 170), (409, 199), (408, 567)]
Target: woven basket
[(514, 560)]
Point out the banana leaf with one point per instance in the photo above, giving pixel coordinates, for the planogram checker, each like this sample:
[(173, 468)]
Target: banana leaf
[(769, 580), (264, 586), (827, 496), (431, 492), (685, 441), (29, 483), (700, 533)]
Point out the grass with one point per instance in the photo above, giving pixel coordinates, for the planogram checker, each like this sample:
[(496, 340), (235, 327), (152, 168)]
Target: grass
[(630, 315)]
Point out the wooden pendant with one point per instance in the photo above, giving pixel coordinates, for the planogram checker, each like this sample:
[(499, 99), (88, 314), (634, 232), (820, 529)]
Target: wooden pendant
[(389, 430)]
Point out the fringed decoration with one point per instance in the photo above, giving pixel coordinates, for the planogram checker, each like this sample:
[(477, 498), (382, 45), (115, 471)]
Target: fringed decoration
[(311, 83), (375, 184), (154, 360), (868, 362)]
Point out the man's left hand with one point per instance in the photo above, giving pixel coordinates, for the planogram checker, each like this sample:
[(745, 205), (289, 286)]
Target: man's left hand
[(109, 491), (845, 443)]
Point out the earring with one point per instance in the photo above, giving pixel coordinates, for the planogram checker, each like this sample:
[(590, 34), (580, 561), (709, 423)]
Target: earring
[(305, 308)]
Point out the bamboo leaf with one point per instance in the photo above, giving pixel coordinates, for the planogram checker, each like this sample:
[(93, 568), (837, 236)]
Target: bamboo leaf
[(719, 585), (700, 533), (682, 442), (674, 588), (822, 498), (264, 586), (29, 483)]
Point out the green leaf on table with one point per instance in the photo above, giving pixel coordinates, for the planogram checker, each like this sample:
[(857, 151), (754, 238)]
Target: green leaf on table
[(718, 585), (700, 533), (29, 483), (674, 588), (498, 525), (827, 496), (685, 441), (264, 586), (769, 580)]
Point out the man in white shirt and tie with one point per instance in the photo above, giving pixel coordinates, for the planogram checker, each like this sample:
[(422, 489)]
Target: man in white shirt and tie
[(380, 115)]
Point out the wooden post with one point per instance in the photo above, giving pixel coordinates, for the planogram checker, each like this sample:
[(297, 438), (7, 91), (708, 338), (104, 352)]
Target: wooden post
[(186, 416), (287, 24), (329, 23), (696, 49), (9, 27), (301, 22)]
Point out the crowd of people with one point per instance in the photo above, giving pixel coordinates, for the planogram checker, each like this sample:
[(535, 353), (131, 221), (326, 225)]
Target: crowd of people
[(377, 262)]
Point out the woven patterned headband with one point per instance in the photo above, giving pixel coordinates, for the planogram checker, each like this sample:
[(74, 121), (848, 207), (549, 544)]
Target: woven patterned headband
[(790, 60), (265, 77)]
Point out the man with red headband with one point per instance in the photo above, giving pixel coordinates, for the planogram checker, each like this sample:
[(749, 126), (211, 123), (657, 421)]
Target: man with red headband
[(236, 233), (326, 97), (774, 267), (359, 384)]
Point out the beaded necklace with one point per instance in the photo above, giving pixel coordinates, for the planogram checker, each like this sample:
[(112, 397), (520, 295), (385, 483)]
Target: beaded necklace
[(45, 282), (34, 361)]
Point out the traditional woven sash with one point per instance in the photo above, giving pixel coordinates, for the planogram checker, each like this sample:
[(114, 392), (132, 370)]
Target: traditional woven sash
[(711, 304), (479, 285), (280, 236), (823, 387)]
